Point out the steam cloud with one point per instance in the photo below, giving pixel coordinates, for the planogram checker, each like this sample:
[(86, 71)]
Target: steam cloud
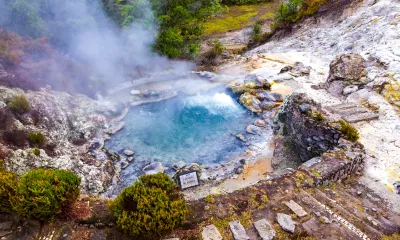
[(111, 54)]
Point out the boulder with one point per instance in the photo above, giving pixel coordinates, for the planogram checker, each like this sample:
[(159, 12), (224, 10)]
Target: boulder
[(252, 129), (346, 70), (268, 105), (128, 152), (254, 81), (260, 123), (241, 137), (265, 95), (250, 102), (349, 90), (153, 168), (286, 222), (179, 165)]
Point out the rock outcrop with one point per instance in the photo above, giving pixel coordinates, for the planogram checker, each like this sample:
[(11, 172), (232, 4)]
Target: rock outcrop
[(347, 73), (296, 120)]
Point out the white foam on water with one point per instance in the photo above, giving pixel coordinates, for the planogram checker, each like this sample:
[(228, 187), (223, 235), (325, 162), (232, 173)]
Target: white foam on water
[(219, 103)]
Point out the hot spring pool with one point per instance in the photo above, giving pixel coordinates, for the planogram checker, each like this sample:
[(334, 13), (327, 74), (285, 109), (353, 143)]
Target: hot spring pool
[(191, 128)]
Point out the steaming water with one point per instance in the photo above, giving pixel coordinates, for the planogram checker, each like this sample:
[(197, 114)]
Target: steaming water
[(199, 128)]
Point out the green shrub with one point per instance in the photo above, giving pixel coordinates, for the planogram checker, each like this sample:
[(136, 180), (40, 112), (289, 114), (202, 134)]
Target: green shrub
[(209, 58), (319, 117), (294, 10), (257, 31), (8, 185), (19, 104), (243, 2), (36, 151), (44, 193), (36, 138), (349, 131), (151, 207)]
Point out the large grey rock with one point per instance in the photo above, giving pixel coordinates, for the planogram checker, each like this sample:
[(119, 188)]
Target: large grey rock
[(264, 229), (238, 231), (346, 70), (296, 208), (179, 165), (350, 89), (260, 123), (254, 130), (153, 168), (286, 222), (210, 232)]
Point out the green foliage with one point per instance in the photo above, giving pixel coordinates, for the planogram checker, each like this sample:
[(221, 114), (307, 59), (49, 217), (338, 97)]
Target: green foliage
[(243, 2), (209, 58), (319, 117), (44, 193), (210, 199), (36, 151), (19, 104), (36, 138), (181, 25), (349, 131), (395, 236), (151, 207), (257, 32), (294, 10), (8, 185)]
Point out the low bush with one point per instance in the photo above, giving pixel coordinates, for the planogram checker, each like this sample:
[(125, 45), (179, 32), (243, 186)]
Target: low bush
[(8, 185), (243, 2), (209, 58), (319, 117), (256, 34), (36, 151), (19, 104), (151, 207), (294, 10), (44, 193), (349, 131), (36, 138)]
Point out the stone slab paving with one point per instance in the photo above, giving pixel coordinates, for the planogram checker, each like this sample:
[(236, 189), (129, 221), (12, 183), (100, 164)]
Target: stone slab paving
[(296, 208), (210, 232), (286, 222), (353, 113), (238, 231), (264, 229)]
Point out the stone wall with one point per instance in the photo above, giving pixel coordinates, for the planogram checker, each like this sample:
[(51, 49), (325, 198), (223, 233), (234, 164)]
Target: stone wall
[(327, 156), (297, 121)]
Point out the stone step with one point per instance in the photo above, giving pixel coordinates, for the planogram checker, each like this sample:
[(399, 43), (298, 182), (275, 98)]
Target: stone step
[(324, 221), (238, 231), (210, 232), (361, 117), (296, 208), (352, 111), (376, 209), (264, 229), (345, 216), (354, 206), (342, 106)]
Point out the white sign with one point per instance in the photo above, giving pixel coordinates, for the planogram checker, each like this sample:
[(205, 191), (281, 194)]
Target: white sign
[(188, 180)]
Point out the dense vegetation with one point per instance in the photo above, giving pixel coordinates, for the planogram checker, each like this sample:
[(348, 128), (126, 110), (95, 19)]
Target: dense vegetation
[(151, 207), (40, 193), (294, 10), (243, 2)]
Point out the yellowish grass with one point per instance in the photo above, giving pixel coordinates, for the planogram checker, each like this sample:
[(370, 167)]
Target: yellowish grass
[(238, 17)]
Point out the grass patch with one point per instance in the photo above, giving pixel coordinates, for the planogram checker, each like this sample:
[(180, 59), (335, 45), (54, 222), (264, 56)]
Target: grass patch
[(349, 131), (238, 17)]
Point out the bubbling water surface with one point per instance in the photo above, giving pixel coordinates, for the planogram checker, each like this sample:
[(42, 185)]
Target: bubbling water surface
[(199, 128)]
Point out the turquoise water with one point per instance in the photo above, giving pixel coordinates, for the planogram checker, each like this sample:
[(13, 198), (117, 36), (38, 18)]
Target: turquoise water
[(199, 128)]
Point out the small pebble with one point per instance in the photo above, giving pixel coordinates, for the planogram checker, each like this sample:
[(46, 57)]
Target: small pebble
[(359, 193)]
